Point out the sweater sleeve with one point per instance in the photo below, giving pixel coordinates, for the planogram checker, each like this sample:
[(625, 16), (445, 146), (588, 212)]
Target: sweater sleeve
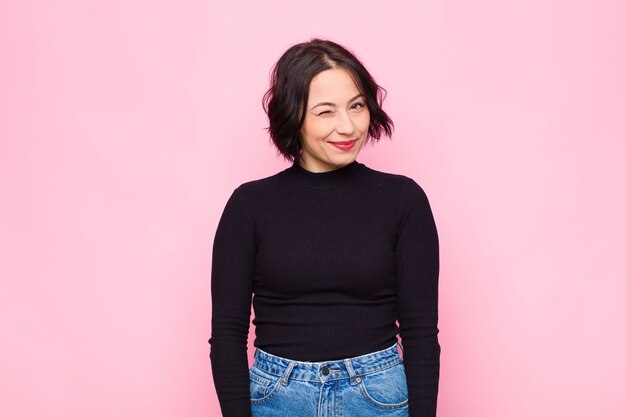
[(232, 272), (417, 268)]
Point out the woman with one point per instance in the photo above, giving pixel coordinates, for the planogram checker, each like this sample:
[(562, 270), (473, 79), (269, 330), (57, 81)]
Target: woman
[(334, 252)]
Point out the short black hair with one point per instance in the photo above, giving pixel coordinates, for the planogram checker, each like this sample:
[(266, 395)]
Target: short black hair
[(285, 100)]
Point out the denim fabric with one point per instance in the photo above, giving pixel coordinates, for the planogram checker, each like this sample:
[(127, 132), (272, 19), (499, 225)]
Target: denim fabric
[(366, 386)]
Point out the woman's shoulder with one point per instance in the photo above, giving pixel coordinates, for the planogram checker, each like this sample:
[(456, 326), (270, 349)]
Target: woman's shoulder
[(402, 181), (407, 190), (259, 187)]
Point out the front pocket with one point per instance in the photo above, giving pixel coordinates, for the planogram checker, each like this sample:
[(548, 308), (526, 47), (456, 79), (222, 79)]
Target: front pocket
[(258, 386), (263, 386), (386, 389)]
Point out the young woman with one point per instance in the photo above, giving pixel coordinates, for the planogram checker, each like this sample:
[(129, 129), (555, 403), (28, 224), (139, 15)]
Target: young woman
[(334, 252)]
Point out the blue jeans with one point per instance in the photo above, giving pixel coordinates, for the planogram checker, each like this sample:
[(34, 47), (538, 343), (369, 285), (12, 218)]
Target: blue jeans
[(367, 386)]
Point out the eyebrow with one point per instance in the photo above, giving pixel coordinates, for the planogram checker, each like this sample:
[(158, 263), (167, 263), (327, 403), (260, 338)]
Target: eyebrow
[(326, 103)]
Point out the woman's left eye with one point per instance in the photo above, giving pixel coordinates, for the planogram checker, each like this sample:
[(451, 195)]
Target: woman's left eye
[(358, 104)]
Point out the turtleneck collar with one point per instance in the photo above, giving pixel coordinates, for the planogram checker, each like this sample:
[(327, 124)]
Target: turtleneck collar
[(325, 180)]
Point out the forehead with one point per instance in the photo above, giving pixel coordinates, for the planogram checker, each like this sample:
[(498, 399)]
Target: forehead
[(333, 83)]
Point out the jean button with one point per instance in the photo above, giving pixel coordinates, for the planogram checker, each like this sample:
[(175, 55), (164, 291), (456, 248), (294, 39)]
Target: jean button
[(325, 370)]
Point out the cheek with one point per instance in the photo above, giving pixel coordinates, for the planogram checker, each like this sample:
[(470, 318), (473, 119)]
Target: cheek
[(364, 121), (318, 129)]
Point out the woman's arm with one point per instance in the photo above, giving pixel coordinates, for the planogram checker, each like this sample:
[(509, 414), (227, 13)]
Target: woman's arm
[(231, 293), (417, 266)]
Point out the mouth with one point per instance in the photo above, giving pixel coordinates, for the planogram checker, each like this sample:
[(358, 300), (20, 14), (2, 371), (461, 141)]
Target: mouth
[(344, 145)]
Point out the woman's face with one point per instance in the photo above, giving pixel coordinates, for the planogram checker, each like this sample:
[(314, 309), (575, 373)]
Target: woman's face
[(335, 113)]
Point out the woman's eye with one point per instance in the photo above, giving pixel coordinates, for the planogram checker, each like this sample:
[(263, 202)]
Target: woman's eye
[(327, 111), (360, 105)]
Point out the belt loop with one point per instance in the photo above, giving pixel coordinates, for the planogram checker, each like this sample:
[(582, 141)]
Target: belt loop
[(285, 378), (353, 377)]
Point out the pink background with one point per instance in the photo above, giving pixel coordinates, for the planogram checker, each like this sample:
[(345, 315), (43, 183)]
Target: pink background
[(125, 126)]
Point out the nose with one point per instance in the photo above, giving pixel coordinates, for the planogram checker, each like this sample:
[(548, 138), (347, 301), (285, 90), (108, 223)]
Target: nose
[(345, 125)]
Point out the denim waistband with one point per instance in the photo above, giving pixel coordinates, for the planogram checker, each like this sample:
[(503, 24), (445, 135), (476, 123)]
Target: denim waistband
[(327, 370)]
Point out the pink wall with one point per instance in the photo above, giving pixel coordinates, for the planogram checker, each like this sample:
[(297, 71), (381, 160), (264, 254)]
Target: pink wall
[(125, 125)]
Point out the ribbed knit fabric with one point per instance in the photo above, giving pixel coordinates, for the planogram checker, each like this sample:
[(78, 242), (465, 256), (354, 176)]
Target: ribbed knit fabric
[(333, 260)]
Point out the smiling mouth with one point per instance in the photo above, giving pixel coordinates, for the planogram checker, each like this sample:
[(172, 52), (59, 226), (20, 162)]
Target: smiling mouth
[(344, 146), (345, 142)]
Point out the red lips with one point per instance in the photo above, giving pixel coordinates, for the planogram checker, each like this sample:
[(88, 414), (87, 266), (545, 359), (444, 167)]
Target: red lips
[(344, 146)]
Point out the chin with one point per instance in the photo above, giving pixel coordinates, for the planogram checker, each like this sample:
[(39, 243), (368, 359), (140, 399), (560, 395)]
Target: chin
[(343, 160)]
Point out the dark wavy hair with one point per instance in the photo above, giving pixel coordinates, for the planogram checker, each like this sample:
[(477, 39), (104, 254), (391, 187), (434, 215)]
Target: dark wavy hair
[(285, 100)]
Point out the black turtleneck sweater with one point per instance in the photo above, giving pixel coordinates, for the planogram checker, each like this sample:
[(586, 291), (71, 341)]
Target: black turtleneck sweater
[(333, 259)]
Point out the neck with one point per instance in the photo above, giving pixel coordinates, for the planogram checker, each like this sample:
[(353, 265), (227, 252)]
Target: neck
[(325, 180)]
